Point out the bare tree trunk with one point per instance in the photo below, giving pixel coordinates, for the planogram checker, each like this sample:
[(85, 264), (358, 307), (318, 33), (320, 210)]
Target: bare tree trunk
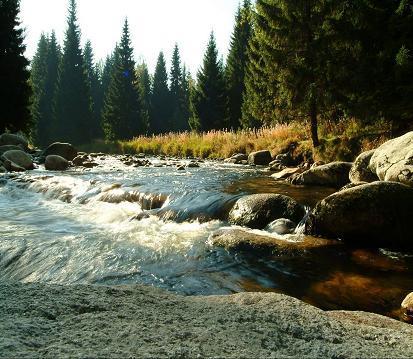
[(314, 125)]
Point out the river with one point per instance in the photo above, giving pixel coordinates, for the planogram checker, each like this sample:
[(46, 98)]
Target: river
[(77, 227)]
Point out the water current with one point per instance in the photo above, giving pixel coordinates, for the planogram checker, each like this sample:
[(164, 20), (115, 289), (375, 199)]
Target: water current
[(77, 227)]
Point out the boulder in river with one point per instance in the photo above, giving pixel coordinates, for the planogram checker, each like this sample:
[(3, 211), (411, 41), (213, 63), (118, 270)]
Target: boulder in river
[(260, 158), (360, 171), (241, 240), (2, 169), (376, 214), (9, 139), (19, 158), (393, 161), (65, 150), (407, 308), (237, 158), (258, 210), (286, 173), (335, 174), (6, 148), (56, 163)]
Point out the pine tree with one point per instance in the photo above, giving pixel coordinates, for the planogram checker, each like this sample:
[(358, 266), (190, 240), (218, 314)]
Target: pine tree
[(38, 77), (73, 108), (237, 62), (144, 82), (46, 134), (15, 91), (209, 99), (187, 83), (122, 108), (161, 108), (179, 123), (95, 85)]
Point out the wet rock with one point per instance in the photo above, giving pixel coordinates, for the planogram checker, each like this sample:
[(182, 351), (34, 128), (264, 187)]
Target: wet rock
[(258, 210), (393, 161), (89, 164), (352, 185), (181, 168), (56, 163), (317, 164), (286, 173), (80, 160), (407, 308), (376, 214), (65, 150), (7, 139), (282, 226), (237, 158), (2, 169), (335, 174), (193, 165), (260, 158), (13, 167), (5, 148), (241, 240), (18, 158), (360, 171)]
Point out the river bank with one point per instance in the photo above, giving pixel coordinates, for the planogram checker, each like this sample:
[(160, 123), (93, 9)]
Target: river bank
[(87, 321)]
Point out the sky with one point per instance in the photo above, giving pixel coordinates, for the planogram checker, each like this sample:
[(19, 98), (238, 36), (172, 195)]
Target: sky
[(155, 25)]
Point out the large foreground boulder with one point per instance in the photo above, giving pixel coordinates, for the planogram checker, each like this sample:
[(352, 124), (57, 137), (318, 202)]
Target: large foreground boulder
[(258, 210), (393, 161), (377, 214), (5, 148), (9, 139), (360, 172), (19, 158), (65, 150), (335, 174), (260, 158), (56, 163)]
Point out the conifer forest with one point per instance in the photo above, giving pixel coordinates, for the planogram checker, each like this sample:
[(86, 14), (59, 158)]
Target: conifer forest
[(303, 61)]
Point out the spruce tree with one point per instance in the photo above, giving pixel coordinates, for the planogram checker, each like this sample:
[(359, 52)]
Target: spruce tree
[(161, 108), (177, 120), (237, 62), (38, 78), (122, 108), (144, 82), (15, 91), (73, 107), (95, 85), (45, 131), (209, 99), (187, 83)]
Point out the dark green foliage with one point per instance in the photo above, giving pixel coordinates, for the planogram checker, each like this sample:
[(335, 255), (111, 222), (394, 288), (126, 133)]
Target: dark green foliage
[(209, 99), (73, 105), (177, 96), (122, 108), (187, 83), (237, 62), (15, 91), (161, 101), (95, 85), (38, 77), (144, 83)]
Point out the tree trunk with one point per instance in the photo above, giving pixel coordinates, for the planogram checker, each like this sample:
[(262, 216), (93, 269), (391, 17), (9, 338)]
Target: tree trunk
[(314, 125)]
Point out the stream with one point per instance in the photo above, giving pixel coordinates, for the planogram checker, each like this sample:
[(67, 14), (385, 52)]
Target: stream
[(77, 227)]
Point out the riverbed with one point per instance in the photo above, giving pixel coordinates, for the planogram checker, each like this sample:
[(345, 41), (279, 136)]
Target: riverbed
[(80, 227)]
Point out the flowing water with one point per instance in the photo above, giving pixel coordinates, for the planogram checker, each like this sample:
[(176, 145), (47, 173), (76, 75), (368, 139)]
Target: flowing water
[(78, 227)]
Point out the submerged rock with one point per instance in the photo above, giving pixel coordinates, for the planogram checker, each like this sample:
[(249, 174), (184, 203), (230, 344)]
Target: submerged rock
[(56, 163), (260, 158), (258, 210), (393, 161), (360, 171), (335, 174), (65, 150), (375, 214), (9, 139), (17, 158), (241, 240)]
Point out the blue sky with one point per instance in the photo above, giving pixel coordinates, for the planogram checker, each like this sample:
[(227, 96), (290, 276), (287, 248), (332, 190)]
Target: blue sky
[(155, 25)]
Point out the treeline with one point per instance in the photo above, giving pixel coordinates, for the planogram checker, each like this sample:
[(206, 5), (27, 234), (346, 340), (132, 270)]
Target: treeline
[(306, 61)]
